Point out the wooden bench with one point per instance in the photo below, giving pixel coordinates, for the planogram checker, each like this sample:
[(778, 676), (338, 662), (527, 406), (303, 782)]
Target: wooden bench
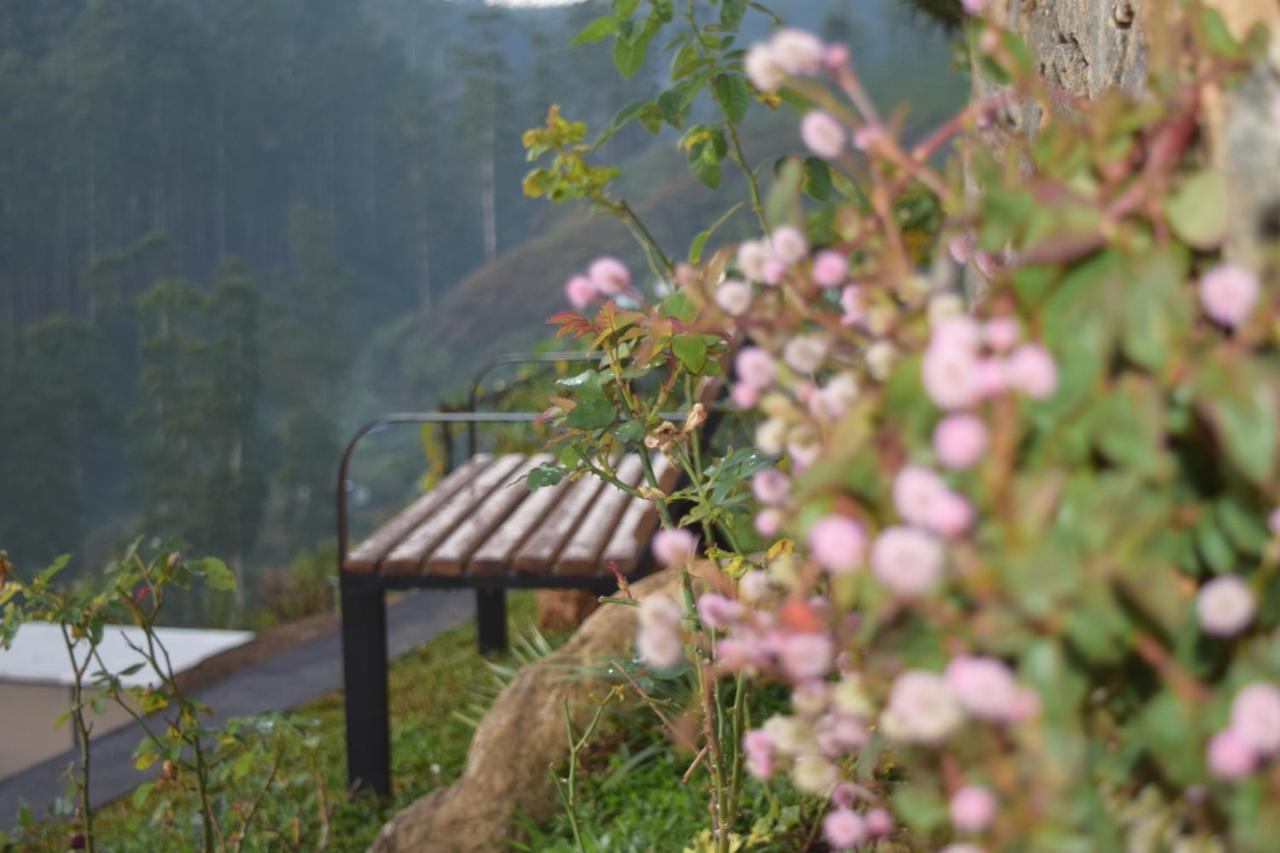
[(478, 528)]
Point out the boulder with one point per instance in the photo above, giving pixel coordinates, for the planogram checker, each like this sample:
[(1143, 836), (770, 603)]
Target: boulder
[(520, 738)]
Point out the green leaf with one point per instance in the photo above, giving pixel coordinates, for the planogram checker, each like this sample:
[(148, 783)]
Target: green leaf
[(733, 95), (629, 51), (1157, 313), (672, 109), (584, 385), (700, 240), (546, 474), (605, 25), (1240, 402), (732, 12), (596, 413), (1197, 210), (817, 178), (141, 793), (625, 8), (691, 350), (678, 306), (217, 575), (705, 163), (921, 809)]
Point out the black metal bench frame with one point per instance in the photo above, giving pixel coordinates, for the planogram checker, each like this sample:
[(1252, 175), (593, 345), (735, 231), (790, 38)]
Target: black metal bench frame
[(363, 596)]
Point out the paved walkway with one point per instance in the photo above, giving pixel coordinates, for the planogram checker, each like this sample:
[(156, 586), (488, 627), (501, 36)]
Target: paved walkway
[(275, 684)]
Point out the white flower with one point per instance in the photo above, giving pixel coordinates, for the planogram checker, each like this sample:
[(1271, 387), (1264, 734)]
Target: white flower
[(1225, 606), (813, 774), (921, 709), (752, 256), (834, 399), (734, 297), (880, 357), (791, 735), (796, 52), (822, 134), (906, 560), (788, 244), (771, 436), (804, 353), (762, 68)]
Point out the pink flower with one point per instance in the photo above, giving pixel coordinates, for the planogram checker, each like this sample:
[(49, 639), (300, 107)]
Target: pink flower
[(758, 746), (960, 247), (755, 367), (989, 378), (610, 275), (837, 543), (960, 440), (985, 687), (830, 268), (673, 546), (906, 560), (658, 638), (950, 515), (822, 134), (1031, 370), (1001, 333), (852, 303), (768, 523), (1255, 716), (1230, 756), (773, 272), (843, 829), (867, 137), (915, 491), (788, 244), (734, 297), (973, 808), (974, 7), (949, 374), (1273, 522), (956, 330), (1228, 293), (836, 57), (770, 486), (805, 656), (744, 396), (796, 52), (581, 291), (879, 823), (839, 734), (716, 611), (1225, 606), (830, 402)]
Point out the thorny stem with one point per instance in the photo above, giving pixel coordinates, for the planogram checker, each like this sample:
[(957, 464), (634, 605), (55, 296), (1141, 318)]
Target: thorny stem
[(753, 184), (83, 730)]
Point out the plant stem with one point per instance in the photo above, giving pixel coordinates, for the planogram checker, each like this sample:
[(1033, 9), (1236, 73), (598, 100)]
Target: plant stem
[(753, 185), (82, 738)]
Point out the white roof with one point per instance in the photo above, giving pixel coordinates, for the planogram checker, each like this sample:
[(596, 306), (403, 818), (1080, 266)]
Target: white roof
[(39, 656)]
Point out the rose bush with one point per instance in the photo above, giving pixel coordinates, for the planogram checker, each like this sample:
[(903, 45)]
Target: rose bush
[(1004, 529)]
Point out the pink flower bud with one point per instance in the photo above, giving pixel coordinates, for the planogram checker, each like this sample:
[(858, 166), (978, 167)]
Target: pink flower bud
[(581, 291), (755, 367), (843, 829), (673, 546), (744, 396), (951, 515), (1228, 293), (1230, 756), (610, 275), (788, 244), (768, 523), (716, 611), (770, 486), (822, 134), (805, 656), (836, 57), (960, 440), (830, 268), (1031, 370), (837, 543), (972, 808), (1255, 716), (879, 823), (1002, 333), (907, 561)]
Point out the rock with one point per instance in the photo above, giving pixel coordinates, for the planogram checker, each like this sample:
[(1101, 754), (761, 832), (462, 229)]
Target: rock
[(520, 738), (562, 609)]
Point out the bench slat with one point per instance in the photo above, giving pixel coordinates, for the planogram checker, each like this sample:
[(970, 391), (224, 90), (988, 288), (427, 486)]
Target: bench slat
[(452, 553), (581, 555), (365, 556), (638, 523), (494, 556), (539, 550), (408, 556)]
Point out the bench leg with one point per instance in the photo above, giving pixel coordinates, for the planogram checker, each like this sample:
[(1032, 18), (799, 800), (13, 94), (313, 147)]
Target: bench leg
[(491, 620), (364, 663)]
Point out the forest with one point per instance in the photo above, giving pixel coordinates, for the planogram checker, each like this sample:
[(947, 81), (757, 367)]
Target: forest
[(229, 227)]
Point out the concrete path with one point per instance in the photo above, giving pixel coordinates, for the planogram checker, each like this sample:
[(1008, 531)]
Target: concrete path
[(275, 684)]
